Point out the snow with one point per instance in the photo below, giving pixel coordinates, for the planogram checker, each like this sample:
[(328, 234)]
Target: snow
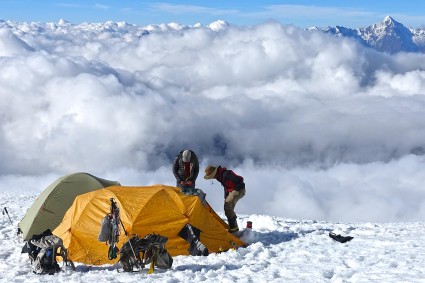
[(281, 250)]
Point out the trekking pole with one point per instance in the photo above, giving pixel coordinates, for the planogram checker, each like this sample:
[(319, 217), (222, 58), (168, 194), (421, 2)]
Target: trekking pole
[(5, 211)]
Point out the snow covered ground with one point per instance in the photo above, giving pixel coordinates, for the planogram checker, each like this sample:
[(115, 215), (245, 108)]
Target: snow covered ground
[(282, 250)]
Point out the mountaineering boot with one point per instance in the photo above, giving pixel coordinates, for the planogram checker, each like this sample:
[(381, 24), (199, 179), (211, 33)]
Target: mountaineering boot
[(234, 229), (233, 225)]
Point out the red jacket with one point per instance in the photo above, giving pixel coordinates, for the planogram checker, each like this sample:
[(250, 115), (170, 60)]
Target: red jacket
[(229, 180)]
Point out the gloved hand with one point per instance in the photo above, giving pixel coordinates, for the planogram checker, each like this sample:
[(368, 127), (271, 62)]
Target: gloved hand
[(186, 184), (240, 186)]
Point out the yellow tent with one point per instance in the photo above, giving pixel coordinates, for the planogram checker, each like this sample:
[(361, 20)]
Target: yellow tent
[(155, 209)]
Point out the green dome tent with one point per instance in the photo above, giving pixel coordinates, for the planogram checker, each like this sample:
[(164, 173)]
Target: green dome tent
[(49, 208)]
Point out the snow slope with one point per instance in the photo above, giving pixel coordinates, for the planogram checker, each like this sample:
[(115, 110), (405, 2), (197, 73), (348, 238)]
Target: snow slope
[(283, 250)]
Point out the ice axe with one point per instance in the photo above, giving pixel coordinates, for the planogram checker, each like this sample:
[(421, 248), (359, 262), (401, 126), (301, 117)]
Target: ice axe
[(5, 212)]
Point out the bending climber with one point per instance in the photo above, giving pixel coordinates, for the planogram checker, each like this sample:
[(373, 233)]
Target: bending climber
[(234, 190)]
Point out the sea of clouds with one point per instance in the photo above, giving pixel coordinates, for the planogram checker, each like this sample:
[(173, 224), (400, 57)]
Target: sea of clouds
[(320, 127)]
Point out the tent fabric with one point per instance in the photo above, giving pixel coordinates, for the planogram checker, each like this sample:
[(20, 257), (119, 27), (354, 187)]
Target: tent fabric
[(157, 209), (48, 209)]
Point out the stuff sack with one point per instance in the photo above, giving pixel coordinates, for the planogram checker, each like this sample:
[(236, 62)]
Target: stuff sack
[(105, 229), (43, 250)]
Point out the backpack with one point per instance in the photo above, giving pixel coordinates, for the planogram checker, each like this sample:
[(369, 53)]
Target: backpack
[(43, 250), (138, 252)]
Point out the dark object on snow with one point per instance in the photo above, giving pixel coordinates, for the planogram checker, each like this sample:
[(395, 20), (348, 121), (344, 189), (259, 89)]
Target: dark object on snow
[(339, 238), (43, 249), (138, 252), (192, 235)]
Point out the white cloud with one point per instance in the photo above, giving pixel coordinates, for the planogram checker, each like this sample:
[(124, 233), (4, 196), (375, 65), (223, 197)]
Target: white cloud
[(298, 105), (374, 192), (11, 45)]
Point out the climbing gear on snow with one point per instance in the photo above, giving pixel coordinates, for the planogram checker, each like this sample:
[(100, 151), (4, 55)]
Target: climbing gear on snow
[(43, 250), (138, 252)]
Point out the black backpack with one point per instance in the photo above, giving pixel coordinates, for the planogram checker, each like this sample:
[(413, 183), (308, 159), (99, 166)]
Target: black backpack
[(43, 250), (138, 252)]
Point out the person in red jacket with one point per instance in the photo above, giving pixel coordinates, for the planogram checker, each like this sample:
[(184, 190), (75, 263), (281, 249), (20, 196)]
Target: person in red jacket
[(234, 190)]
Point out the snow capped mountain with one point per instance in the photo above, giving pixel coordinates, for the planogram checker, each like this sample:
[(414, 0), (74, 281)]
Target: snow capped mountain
[(388, 36)]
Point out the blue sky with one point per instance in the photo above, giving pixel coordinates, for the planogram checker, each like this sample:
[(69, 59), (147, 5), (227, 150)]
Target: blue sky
[(305, 13)]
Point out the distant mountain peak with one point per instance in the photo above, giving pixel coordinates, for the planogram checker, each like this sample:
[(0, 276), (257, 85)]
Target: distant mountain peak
[(387, 36), (63, 22), (388, 20)]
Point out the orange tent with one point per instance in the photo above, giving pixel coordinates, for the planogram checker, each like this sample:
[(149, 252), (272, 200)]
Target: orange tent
[(155, 209)]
